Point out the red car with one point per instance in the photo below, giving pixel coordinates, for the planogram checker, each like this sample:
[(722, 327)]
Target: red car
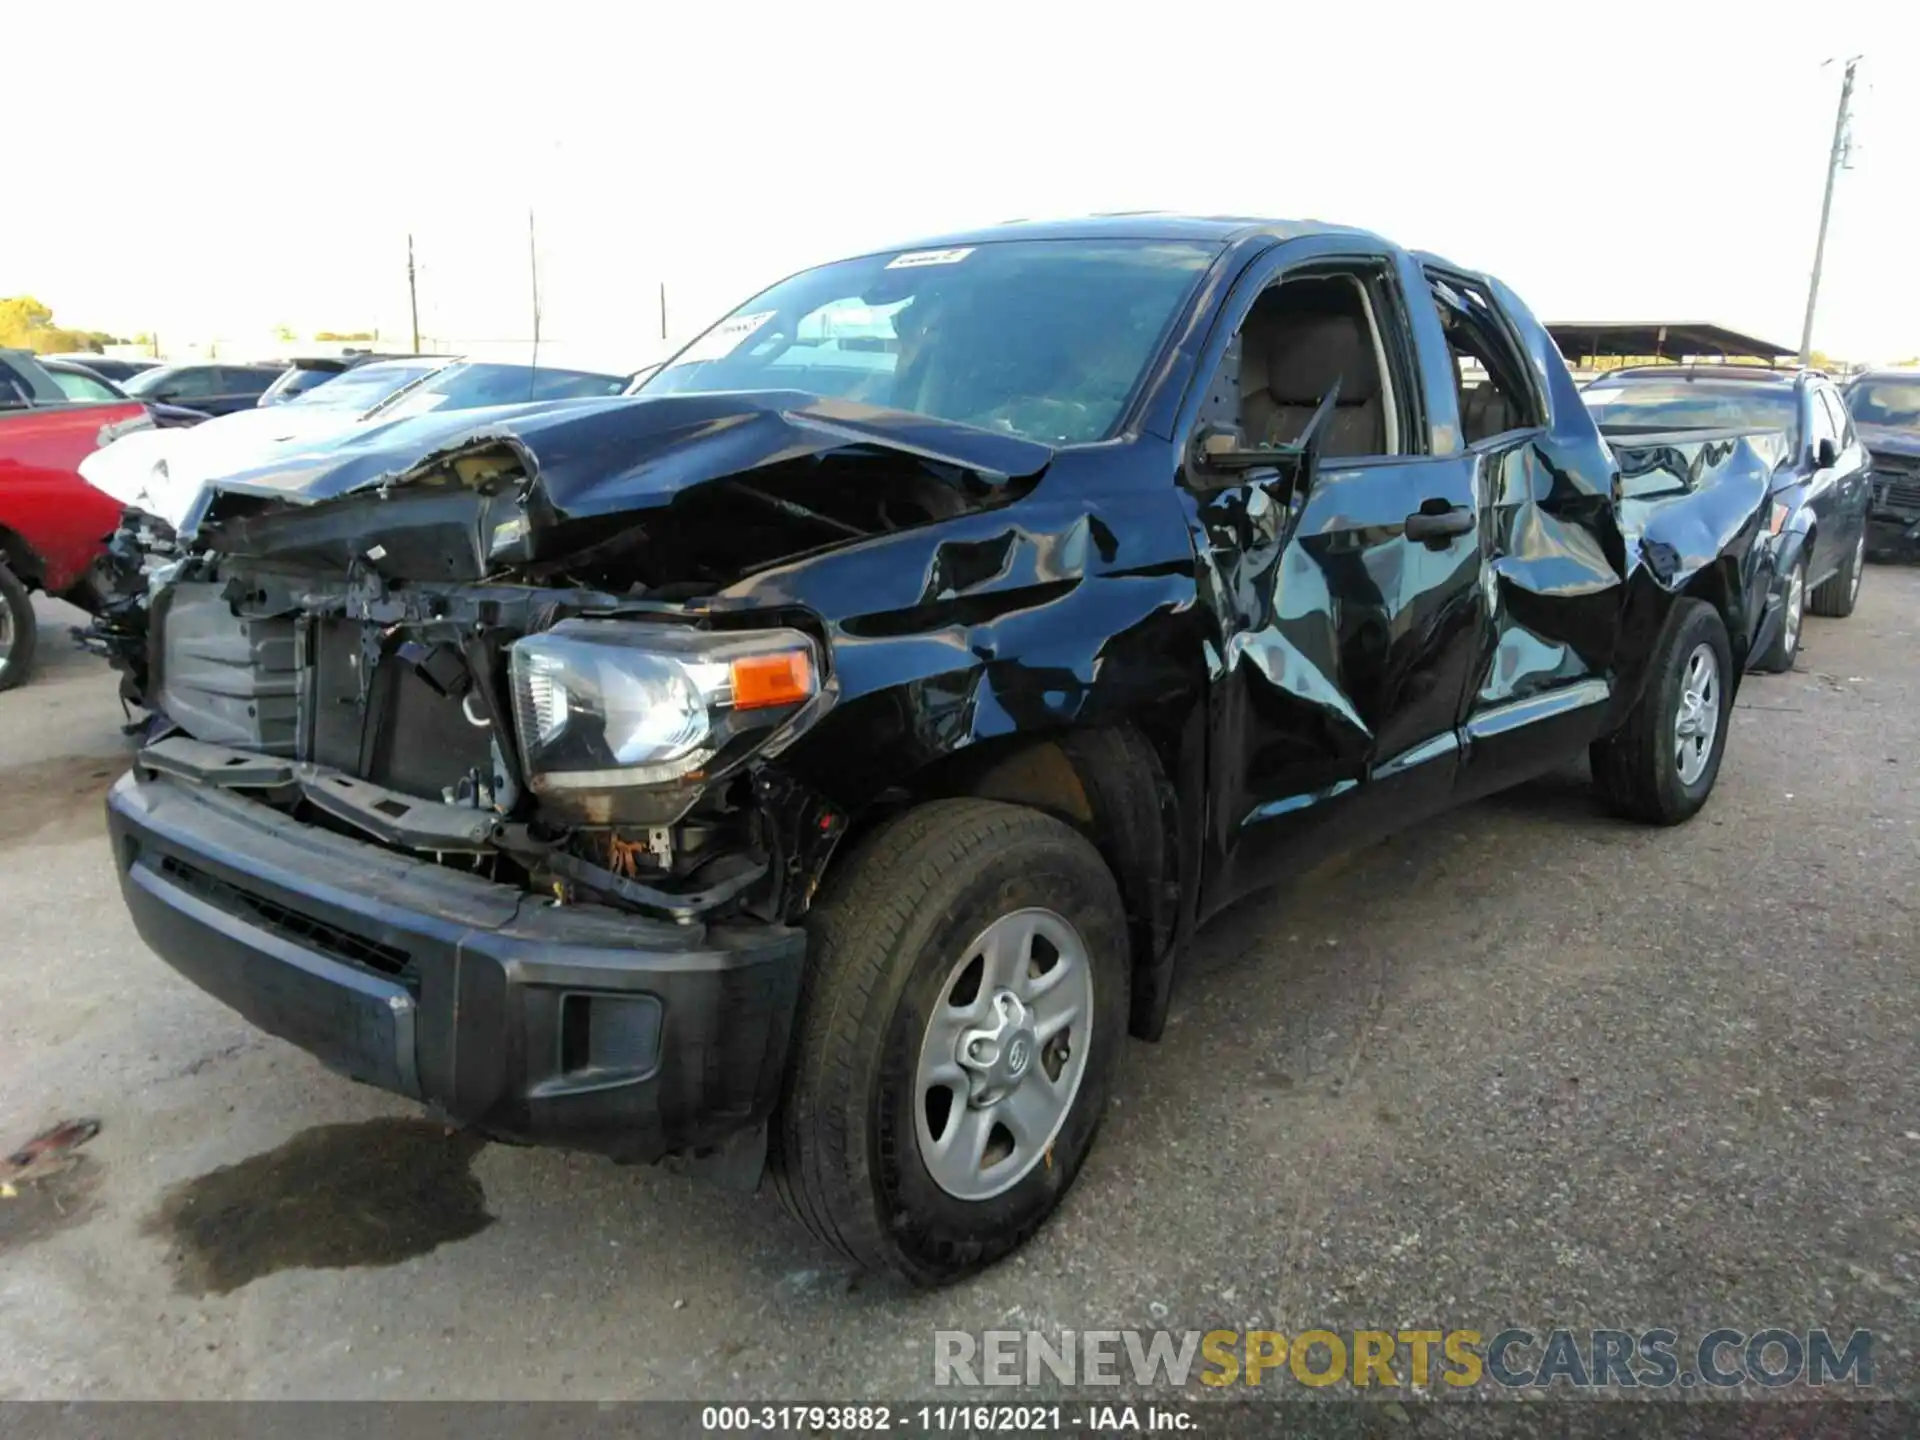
[(53, 524)]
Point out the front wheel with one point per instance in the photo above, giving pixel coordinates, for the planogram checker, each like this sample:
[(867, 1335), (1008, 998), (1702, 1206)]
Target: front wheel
[(1660, 766), (17, 631), (1836, 596), (964, 1008)]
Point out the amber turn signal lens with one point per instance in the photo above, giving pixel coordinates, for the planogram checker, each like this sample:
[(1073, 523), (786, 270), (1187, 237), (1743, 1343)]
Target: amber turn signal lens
[(1779, 518), (763, 680)]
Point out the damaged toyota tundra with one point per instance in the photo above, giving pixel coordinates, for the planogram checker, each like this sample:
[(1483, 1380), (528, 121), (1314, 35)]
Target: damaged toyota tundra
[(815, 763)]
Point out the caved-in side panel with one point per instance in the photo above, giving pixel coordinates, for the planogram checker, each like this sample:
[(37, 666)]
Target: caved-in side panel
[(1692, 513), (1340, 648), (1554, 595), (1556, 560), (1685, 503), (1050, 618)]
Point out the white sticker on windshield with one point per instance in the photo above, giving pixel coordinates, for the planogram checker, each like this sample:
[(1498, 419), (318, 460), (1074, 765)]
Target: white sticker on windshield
[(1602, 397), (725, 338), (929, 257)]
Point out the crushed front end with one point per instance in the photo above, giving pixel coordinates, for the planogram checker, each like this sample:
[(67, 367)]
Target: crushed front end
[(1894, 505), (474, 794)]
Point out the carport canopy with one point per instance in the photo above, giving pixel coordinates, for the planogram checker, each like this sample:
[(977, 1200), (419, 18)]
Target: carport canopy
[(1659, 339)]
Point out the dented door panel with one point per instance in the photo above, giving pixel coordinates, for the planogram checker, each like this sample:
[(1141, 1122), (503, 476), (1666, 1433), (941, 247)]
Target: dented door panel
[(1340, 650), (1553, 594), (1340, 653)]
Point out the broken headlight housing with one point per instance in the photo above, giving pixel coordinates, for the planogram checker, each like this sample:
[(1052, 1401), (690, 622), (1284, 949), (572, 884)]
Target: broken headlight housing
[(616, 719)]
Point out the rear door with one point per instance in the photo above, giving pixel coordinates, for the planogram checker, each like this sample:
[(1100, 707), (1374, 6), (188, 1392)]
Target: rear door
[(1824, 484), (1344, 607), (1544, 484)]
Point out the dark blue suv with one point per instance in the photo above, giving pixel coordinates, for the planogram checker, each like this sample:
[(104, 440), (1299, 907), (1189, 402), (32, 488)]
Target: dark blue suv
[(1817, 529)]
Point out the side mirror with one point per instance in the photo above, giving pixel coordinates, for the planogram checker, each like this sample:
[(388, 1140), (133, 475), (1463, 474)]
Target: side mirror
[(1824, 455), (1221, 448)]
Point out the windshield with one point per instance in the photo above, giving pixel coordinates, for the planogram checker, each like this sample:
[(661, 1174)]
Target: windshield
[(1044, 339), (1886, 402), (473, 386), (360, 389), (295, 380), (1694, 405)]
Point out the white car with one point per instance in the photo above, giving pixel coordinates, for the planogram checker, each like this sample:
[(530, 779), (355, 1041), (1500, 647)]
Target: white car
[(161, 471)]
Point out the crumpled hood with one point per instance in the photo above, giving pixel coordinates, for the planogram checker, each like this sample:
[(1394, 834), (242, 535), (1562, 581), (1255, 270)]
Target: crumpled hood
[(161, 471), (1888, 440), (604, 456)]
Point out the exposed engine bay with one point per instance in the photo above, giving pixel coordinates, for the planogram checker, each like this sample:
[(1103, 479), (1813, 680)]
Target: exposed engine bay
[(458, 659)]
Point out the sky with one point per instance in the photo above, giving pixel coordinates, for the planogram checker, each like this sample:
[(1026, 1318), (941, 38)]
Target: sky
[(216, 170)]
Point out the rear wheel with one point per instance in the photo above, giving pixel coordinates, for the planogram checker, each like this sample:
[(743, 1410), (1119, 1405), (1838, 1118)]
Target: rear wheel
[(1660, 766), (965, 1006), (17, 630), (1793, 608), (1840, 592)]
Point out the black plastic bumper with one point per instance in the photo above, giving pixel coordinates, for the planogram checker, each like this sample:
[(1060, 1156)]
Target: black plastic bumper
[(1892, 530), (573, 1026)]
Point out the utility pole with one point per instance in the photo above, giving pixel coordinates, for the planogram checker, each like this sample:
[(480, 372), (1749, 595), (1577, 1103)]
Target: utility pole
[(1836, 159), (413, 297), (663, 309), (533, 271)]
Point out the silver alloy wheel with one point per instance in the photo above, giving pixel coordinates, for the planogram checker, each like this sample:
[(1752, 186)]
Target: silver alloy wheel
[(1859, 564), (1796, 607), (1004, 1053), (6, 638), (1698, 717)]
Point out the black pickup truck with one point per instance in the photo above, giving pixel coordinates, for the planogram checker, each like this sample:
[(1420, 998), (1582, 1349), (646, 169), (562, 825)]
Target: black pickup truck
[(818, 761)]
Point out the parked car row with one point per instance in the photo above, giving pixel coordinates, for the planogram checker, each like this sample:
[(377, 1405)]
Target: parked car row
[(84, 385), (204, 387), (78, 450), (53, 525)]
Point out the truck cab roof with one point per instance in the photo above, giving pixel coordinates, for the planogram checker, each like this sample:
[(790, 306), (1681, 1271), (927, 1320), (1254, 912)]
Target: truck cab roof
[(1221, 230)]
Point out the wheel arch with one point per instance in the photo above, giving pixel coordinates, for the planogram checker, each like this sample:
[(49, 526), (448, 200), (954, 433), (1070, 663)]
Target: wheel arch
[(1720, 586), (19, 557), (1114, 784)]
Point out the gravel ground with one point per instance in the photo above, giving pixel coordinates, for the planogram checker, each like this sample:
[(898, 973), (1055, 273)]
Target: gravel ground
[(1526, 1066)]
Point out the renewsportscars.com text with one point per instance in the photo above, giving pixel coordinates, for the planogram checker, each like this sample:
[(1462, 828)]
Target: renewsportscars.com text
[(1771, 1356)]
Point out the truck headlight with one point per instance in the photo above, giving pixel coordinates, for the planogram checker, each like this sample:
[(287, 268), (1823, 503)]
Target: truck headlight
[(614, 704)]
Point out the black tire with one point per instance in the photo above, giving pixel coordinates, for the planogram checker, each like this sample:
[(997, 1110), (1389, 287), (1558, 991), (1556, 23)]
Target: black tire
[(16, 652), (893, 920), (1786, 644), (1836, 596), (1636, 769)]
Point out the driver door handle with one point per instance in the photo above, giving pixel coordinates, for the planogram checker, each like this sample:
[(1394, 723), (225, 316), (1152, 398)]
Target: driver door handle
[(1436, 526)]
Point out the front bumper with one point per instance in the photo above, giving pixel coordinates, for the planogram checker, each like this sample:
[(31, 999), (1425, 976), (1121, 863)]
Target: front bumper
[(1892, 530), (574, 1026)]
